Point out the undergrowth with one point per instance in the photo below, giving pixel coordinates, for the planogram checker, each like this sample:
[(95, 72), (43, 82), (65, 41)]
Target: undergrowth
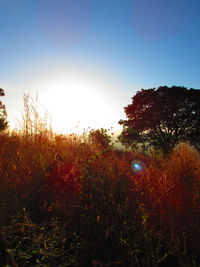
[(68, 202)]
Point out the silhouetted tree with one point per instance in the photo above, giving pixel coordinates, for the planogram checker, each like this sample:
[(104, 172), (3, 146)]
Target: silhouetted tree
[(164, 117), (130, 137), (3, 113)]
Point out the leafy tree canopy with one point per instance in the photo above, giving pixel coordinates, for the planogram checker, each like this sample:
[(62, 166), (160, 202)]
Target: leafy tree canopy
[(164, 117), (130, 137)]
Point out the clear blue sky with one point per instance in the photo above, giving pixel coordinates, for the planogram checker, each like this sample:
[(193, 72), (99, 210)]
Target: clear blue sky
[(121, 45)]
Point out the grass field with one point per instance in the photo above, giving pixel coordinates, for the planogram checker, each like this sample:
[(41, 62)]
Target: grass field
[(67, 202)]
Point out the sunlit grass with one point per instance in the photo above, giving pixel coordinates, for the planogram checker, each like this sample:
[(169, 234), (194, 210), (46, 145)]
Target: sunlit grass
[(107, 214)]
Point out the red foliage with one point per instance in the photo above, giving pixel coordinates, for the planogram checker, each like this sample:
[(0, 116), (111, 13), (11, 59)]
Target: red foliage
[(64, 181)]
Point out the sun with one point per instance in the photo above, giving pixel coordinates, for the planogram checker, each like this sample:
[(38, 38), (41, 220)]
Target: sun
[(74, 102)]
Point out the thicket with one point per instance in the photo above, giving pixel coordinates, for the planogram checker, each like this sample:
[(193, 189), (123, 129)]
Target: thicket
[(65, 201)]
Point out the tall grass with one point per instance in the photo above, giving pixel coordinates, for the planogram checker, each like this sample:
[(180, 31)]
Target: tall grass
[(66, 202)]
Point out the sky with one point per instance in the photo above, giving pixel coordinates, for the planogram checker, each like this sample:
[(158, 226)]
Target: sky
[(86, 58)]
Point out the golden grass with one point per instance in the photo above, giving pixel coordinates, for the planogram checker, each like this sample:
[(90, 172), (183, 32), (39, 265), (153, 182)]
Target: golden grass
[(94, 191)]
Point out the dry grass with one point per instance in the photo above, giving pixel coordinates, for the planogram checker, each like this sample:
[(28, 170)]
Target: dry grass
[(108, 215)]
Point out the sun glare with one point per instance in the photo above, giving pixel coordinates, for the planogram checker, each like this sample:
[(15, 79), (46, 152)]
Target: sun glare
[(75, 104)]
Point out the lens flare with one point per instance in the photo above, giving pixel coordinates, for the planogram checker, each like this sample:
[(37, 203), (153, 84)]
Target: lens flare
[(137, 166)]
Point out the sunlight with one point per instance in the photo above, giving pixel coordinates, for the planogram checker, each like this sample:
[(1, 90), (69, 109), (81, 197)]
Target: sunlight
[(75, 104)]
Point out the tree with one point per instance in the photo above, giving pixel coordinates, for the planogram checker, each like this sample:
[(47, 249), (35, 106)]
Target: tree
[(3, 113), (130, 137), (164, 117)]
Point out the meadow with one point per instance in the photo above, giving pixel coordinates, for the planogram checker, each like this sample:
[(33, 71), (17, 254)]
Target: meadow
[(65, 201)]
